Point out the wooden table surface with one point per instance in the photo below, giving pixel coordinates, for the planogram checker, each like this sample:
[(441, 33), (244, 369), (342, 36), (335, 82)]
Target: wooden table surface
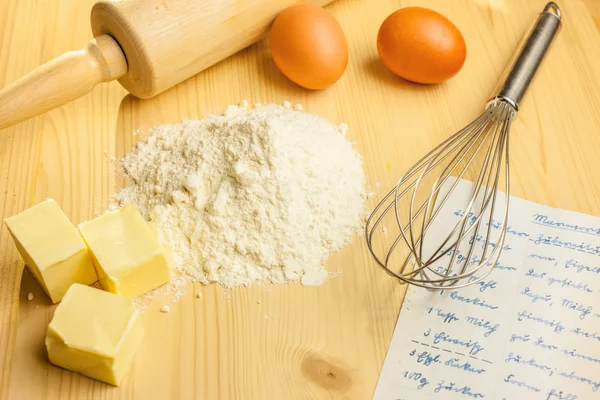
[(287, 342)]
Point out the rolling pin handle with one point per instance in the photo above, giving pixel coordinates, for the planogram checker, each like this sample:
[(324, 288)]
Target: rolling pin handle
[(62, 80)]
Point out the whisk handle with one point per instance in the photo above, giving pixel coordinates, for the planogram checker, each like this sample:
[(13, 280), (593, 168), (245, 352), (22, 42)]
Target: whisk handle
[(527, 59)]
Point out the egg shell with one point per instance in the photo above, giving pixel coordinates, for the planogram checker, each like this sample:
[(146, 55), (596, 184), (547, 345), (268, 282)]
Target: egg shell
[(309, 47), (421, 45)]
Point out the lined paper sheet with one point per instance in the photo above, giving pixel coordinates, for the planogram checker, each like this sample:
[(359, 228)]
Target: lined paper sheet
[(530, 330)]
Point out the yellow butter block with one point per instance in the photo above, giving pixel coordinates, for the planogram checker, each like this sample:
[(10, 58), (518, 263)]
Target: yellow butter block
[(126, 253), (95, 333), (52, 248)]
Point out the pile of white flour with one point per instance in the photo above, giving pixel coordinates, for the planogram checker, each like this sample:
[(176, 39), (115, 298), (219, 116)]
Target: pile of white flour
[(250, 196)]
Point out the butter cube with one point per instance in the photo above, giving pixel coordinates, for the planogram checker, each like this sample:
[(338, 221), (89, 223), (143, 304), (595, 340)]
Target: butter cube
[(95, 333), (52, 248), (126, 253)]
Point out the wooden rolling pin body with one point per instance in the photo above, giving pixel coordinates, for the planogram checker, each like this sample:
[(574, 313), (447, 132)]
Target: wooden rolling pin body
[(163, 42)]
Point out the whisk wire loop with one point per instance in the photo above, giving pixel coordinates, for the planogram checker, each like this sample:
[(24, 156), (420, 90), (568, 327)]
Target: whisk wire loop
[(461, 249), (455, 155)]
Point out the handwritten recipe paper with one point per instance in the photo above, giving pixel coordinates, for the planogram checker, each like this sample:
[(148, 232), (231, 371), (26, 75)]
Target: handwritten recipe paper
[(529, 330)]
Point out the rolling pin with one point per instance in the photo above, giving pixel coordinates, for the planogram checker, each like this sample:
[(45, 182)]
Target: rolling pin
[(148, 45)]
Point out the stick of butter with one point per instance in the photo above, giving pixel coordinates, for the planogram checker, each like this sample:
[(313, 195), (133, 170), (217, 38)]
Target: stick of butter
[(125, 250), (52, 248), (94, 333)]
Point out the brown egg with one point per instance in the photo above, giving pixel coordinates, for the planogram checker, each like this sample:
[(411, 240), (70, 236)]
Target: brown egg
[(421, 45), (309, 46)]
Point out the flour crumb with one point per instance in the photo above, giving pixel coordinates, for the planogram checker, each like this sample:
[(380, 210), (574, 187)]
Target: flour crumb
[(257, 105), (29, 296), (286, 104), (258, 302), (199, 294), (377, 184), (384, 230), (314, 277), (175, 289), (370, 195), (266, 316), (252, 196), (244, 103), (165, 309), (298, 107), (343, 129)]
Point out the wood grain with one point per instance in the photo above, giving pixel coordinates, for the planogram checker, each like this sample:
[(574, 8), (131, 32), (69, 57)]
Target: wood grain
[(594, 9), (62, 80), (168, 41), (151, 45), (283, 342)]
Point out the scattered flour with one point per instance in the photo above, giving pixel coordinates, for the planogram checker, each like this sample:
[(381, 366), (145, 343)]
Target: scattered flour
[(250, 196), (174, 289)]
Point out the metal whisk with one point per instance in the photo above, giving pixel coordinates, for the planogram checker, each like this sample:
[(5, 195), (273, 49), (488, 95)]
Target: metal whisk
[(444, 253)]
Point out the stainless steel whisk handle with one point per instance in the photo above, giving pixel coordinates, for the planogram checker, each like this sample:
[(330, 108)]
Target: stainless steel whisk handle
[(527, 59)]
